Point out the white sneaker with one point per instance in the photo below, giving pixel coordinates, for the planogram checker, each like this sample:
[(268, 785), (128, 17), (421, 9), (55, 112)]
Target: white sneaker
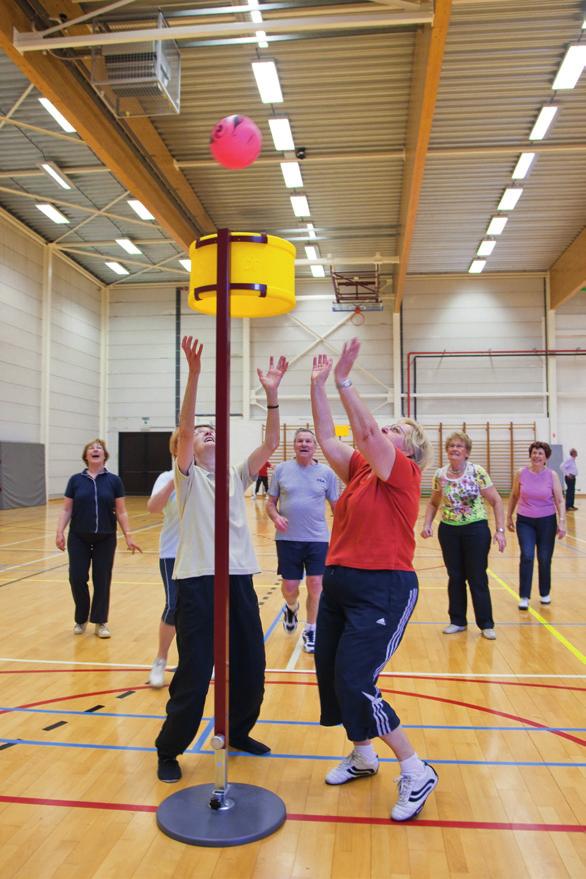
[(452, 629), (489, 634), (545, 599), (79, 628), (102, 630), (523, 604), (308, 637), (157, 675), (413, 792), (352, 767)]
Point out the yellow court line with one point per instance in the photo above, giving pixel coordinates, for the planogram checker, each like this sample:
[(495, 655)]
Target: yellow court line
[(564, 641), (573, 536)]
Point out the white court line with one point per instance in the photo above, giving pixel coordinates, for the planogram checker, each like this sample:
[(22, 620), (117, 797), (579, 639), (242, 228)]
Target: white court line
[(311, 671), (295, 655)]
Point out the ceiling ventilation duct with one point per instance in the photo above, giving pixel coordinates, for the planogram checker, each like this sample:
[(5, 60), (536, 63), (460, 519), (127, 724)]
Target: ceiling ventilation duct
[(139, 79)]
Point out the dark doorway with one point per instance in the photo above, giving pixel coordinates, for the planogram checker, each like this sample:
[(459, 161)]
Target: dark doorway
[(142, 455)]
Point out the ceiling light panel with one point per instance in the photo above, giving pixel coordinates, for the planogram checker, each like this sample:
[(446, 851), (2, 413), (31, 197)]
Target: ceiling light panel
[(117, 268), (292, 175), (186, 263), (138, 208), (544, 120), (524, 162), (267, 81), (281, 134), (300, 205), (510, 197), (571, 68), (51, 169), (477, 266), (496, 225), (49, 211), (318, 271), (486, 248), (57, 116), (128, 245)]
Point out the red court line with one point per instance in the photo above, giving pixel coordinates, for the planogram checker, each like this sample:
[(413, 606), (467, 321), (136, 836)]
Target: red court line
[(330, 819), (66, 671)]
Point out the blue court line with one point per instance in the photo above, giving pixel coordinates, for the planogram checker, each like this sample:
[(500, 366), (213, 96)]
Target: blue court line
[(196, 748), (209, 721), (321, 757), (273, 625)]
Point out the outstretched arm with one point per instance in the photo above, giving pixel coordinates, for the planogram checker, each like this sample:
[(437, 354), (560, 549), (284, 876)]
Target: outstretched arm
[(369, 439), (337, 454), (192, 350), (270, 380)]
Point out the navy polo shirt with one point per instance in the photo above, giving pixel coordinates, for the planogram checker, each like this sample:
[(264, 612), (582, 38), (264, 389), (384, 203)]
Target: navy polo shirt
[(94, 502)]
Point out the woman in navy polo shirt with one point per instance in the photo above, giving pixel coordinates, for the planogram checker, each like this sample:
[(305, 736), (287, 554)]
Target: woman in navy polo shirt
[(94, 501)]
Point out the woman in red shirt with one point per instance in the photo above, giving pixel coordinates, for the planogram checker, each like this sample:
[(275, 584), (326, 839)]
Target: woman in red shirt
[(369, 588)]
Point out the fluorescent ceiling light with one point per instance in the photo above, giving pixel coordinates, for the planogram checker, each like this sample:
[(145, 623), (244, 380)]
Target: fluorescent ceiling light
[(49, 211), (267, 80), (543, 122), (58, 176), (300, 206), (311, 252), (571, 68), (186, 263), (496, 225), (128, 245), (476, 266), (281, 134), (292, 175), (256, 16), (138, 208), (57, 116), (318, 271), (522, 167), (117, 268), (510, 197), (311, 231), (486, 248), (261, 39)]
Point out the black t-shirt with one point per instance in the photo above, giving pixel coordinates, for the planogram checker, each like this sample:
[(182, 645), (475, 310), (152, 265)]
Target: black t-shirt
[(94, 502)]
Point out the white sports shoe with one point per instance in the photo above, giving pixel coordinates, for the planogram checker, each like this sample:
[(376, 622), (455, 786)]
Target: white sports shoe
[(413, 792), (545, 599), (79, 628), (102, 630), (453, 628), (157, 675), (352, 767), (523, 604)]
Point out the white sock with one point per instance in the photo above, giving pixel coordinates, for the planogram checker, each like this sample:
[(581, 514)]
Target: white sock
[(365, 752), (310, 627), (293, 607), (413, 765)]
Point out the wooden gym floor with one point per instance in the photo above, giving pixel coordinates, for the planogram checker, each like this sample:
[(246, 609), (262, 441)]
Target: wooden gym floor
[(504, 724)]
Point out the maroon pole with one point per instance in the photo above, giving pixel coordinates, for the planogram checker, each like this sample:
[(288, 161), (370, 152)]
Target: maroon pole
[(222, 479)]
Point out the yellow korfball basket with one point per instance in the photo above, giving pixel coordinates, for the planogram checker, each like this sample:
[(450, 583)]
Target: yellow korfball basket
[(262, 275)]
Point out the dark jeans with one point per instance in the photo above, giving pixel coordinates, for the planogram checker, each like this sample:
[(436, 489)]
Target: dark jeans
[(570, 491), (465, 550), (537, 532), (194, 620), (262, 480), (98, 551)]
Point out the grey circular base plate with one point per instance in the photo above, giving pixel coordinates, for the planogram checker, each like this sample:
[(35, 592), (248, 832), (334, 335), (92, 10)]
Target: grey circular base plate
[(187, 815)]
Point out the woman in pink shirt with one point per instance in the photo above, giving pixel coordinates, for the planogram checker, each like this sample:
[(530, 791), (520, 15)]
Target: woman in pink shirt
[(538, 492)]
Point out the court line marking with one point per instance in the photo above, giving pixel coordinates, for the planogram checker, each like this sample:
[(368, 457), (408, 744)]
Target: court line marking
[(330, 819), (558, 635)]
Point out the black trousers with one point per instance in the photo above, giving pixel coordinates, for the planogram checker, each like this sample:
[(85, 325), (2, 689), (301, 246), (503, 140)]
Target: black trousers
[(465, 550), (570, 491), (194, 620), (262, 480), (98, 551)]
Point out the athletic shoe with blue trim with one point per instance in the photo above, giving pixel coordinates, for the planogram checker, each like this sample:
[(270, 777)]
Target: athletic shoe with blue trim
[(352, 767), (308, 637), (413, 792), (290, 617)]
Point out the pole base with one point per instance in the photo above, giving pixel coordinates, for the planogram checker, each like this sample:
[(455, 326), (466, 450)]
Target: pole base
[(187, 816)]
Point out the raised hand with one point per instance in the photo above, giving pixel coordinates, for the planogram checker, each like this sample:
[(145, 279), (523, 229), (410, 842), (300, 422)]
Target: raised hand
[(347, 359), (271, 379), (322, 366), (192, 350)]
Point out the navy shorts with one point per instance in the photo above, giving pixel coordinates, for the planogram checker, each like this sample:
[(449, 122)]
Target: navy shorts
[(166, 567), (296, 555)]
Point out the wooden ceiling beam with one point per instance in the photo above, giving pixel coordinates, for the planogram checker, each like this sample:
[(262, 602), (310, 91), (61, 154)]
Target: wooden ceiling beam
[(567, 275), (98, 129), (427, 67)]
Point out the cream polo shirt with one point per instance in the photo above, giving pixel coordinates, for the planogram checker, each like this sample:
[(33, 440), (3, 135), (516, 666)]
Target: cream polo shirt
[(195, 503)]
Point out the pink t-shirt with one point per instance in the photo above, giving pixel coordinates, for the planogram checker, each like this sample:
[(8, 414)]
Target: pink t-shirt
[(536, 493)]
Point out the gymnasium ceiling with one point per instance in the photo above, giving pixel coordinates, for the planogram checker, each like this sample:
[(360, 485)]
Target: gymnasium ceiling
[(412, 114)]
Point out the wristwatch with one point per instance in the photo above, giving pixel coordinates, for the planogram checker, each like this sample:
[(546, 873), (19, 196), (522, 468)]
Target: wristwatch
[(500, 530), (347, 383)]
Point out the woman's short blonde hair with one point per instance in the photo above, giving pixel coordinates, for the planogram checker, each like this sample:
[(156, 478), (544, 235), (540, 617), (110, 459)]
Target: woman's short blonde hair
[(174, 442), (92, 443), (416, 443), (462, 437)]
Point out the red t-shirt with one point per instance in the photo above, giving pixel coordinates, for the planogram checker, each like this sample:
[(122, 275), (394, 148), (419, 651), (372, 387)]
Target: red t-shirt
[(264, 470), (374, 520)]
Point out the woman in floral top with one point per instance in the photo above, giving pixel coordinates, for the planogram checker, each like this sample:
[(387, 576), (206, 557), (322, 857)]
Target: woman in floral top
[(464, 536)]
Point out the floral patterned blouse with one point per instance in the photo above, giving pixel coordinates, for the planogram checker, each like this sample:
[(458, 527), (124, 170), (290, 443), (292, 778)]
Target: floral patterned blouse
[(462, 501)]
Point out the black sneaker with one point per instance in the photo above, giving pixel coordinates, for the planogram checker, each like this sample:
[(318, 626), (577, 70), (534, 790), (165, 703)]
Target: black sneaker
[(309, 640), (168, 770), (290, 619), (250, 746)]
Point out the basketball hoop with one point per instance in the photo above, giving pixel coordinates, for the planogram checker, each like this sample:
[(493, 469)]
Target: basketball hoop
[(358, 317)]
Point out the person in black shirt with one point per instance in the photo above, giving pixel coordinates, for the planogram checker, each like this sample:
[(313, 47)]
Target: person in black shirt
[(94, 502)]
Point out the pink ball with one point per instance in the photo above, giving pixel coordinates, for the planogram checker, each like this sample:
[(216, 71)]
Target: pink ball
[(235, 142)]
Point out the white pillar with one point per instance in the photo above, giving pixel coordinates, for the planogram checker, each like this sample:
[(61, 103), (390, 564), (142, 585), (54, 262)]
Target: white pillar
[(104, 350), (552, 381), (45, 414), (396, 365)]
